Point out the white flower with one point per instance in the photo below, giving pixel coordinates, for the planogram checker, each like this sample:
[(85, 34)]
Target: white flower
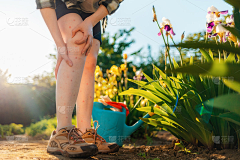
[(220, 29), (165, 21), (230, 21), (211, 18), (212, 9), (139, 73)]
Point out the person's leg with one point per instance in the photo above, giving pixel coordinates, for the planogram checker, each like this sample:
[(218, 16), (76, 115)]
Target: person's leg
[(86, 91), (69, 78)]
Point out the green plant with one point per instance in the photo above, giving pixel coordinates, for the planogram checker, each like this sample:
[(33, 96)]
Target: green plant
[(226, 68), (189, 88), (142, 154), (186, 124), (45, 126), (11, 129), (183, 148), (2, 133), (149, 140)]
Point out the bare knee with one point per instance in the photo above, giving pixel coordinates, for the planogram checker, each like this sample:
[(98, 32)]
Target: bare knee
[(73, 47)]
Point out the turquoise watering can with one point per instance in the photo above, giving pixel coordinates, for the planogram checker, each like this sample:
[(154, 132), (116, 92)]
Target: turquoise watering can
[(112, 123)]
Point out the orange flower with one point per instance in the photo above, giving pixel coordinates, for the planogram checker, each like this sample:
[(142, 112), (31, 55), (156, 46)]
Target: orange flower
[(125, 56)]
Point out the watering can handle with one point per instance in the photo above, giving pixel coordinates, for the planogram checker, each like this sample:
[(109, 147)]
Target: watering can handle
[(119, 106)]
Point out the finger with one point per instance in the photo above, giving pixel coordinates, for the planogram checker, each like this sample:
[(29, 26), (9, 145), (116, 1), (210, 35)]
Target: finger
[(75, 30), (83, 40), (89, 49), (67, 60), (85, 48), (57, 66)]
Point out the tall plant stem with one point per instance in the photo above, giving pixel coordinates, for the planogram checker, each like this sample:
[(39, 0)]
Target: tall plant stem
[(179, 49), (125, 74), (170, 61), (225, 55), (166, 44), (219, 56)]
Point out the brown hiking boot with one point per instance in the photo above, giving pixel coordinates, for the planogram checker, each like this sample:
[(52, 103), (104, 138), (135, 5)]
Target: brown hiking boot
[(70, 144), (91, 136)]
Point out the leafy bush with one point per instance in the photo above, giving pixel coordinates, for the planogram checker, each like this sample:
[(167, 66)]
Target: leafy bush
[(45, 126), (192, 90), (12, 129)]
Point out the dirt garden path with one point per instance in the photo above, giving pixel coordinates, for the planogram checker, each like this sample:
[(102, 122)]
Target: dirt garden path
[(161, 148)]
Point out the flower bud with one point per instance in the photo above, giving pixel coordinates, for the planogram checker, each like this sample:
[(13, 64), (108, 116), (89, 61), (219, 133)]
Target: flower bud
[(182, 37), (134, 69), (125, 56), (154, 15)]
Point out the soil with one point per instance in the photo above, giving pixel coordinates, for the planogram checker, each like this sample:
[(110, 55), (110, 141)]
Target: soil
[(160, 147)]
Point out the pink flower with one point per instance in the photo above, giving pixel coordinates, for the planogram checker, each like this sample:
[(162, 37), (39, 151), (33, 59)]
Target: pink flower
[(167, 26)]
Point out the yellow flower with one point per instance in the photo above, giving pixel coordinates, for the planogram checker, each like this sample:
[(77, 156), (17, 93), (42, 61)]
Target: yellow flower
[(99, 79), (111, 95), (197, 119), (97, 69), (106, 92), (110, 85), (98, 93), (104, 81), (110, 91), (99, 85), (112, 78), (114, 70), (98, 74), (163, 84), (115, 89), (123, 67), (104, 87), (125, 56), (130, 88)]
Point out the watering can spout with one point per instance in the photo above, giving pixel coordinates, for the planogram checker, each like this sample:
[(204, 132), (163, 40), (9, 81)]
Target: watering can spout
[(128, 130)]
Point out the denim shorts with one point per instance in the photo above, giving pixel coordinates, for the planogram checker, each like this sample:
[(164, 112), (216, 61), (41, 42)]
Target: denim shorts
[(61, 10)]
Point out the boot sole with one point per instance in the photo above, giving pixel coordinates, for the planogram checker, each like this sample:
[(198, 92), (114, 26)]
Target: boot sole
[(116, 149), (58, 151)]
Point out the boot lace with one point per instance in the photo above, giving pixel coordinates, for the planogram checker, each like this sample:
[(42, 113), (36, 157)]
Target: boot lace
[(96, 136), (75, 136)]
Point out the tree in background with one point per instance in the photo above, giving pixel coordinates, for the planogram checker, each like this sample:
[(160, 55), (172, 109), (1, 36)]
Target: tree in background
[(112, 48)]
